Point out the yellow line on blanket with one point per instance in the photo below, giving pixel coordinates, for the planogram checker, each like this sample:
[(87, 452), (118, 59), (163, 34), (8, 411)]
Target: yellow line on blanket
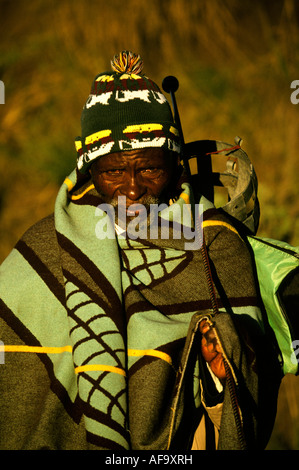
[(69, 183), (97, 367), (185, 198), (150, 352), (78, 196), (36, 349), (212, 223)]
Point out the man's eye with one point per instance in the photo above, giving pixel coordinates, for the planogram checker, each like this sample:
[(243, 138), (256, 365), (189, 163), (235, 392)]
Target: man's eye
[(114, 172), (149, 171)]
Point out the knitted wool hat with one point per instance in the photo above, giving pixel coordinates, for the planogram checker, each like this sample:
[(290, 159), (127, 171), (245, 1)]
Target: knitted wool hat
[(124, 111)]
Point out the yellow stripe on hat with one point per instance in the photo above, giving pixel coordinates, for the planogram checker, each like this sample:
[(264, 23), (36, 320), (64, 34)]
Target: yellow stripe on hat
[(133, 76), (78, 145), (90, 139), (105, 78), (143, 128)]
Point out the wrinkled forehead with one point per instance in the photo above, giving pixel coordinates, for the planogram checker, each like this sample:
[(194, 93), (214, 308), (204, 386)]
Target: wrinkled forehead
[(146, 157)]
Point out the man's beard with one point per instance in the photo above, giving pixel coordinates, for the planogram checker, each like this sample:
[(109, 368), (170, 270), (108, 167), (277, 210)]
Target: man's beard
[(125, 214)]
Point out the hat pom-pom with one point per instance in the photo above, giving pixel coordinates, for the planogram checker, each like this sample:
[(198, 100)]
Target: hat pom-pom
[(127, 62)]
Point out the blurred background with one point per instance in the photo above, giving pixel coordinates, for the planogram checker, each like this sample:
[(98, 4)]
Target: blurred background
[(235, 61)]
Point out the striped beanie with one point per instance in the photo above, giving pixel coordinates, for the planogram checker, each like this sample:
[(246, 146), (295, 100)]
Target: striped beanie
[(124, 111)]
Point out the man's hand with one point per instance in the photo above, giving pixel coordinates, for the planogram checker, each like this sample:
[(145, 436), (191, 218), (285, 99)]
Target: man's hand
[(211, 350)]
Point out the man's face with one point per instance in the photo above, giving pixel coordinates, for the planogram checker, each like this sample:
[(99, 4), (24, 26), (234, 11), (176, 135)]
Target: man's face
[(143, 176)]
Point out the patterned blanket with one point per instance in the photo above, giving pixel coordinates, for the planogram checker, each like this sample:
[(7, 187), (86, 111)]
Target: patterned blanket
[(99, 335)]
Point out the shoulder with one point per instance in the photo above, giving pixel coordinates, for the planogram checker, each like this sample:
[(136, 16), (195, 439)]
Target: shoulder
[(217, 224), (39, 248), (39, 242), (36, 238), (43, 228), (40, 237)]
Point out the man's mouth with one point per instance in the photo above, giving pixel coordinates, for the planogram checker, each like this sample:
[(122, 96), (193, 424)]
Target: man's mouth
[(126, 211), (135, 209)]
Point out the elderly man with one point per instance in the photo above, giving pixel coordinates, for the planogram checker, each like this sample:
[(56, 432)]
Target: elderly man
[(110, 337)]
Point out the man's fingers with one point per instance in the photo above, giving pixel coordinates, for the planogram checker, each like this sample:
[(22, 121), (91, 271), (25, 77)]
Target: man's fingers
[(211, 350), (217, 366)]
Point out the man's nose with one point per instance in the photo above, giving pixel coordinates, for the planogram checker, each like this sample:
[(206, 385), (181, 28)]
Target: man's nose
[(132, 188)]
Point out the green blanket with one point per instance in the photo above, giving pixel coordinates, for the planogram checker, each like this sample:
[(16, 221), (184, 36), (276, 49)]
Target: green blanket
[(98, 334)]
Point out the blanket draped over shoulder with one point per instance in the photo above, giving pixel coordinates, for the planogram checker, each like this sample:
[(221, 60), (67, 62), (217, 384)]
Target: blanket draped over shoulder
[(99, 333)]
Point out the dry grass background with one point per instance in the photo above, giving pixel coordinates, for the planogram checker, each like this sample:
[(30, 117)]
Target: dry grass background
[(235, 60)]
